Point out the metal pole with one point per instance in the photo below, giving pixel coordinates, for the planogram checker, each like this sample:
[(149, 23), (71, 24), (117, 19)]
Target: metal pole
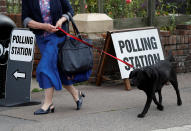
[(82, 6), (100, 6), (151, 12)]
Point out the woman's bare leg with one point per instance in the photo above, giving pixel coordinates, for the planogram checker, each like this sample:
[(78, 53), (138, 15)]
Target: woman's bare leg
[(73, 91), (48, 98)]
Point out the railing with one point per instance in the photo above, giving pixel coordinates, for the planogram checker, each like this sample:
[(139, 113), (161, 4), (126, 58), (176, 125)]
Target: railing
[(160, 22)]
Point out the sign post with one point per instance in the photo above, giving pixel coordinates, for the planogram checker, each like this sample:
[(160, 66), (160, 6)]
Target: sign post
[(139, 47), (19, 68)]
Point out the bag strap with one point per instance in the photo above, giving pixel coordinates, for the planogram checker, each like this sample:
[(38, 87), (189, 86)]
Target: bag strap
[(86, 43), (76, 31)]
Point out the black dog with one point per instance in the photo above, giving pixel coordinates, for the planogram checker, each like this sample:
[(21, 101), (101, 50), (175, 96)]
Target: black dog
[(151, 79)]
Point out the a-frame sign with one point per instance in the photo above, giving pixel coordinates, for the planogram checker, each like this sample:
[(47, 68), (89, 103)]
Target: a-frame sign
[(137, 46)]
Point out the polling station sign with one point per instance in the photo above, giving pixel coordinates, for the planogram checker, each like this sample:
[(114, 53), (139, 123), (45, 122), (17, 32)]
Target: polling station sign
[(22, 44), (139, 48), (19, 67)]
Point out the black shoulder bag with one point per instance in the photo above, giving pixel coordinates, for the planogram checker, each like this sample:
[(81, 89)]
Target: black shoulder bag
[(74, 57)]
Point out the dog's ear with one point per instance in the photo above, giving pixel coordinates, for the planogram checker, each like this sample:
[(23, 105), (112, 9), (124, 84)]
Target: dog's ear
[(133, 73)]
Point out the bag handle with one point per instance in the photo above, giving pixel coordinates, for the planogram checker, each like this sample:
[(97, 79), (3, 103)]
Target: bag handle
[(74, 26)]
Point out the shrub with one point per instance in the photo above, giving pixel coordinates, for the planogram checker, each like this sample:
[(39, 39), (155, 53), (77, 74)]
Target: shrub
[(136, 8)]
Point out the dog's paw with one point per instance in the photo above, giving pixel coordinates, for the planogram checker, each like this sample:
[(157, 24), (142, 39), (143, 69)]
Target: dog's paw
[(179, 103), (161, 108), (141, 115)]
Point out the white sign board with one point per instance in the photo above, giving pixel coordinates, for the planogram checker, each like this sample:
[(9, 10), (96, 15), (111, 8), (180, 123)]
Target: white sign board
[(139, 48), (22, 45)]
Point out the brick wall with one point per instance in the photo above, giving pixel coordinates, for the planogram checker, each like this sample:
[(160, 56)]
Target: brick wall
[(180, 43), (16, 18), (3, 8)]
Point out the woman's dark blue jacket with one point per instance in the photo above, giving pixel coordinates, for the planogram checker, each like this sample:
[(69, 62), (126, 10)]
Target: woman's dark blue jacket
[(58, 8)]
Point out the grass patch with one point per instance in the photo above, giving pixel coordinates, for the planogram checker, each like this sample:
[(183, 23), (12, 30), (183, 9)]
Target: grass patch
[(37, 90)]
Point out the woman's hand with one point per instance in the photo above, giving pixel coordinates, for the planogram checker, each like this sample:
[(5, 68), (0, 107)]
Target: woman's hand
[(60, 21), (43, 26), (49, 28)]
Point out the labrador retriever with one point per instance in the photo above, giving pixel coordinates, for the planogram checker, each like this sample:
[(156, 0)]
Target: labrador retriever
[(151, 79)]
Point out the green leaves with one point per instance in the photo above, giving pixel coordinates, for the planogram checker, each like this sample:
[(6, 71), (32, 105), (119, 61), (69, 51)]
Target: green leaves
[(113, 8), (119, 8)]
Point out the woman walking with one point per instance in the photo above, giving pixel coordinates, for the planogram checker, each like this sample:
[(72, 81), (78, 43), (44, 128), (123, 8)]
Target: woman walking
[(43, 17)]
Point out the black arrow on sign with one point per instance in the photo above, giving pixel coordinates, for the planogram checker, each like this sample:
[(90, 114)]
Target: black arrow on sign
[(18, 74)]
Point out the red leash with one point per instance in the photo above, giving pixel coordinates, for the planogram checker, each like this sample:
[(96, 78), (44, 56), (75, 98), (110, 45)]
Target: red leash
[(94, 47)]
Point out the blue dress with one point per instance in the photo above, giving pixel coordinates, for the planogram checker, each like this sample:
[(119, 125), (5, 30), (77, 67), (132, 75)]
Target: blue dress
[(47, 73)]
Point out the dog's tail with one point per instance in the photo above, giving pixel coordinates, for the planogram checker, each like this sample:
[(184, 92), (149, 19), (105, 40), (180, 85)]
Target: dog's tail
[(170, 56)]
